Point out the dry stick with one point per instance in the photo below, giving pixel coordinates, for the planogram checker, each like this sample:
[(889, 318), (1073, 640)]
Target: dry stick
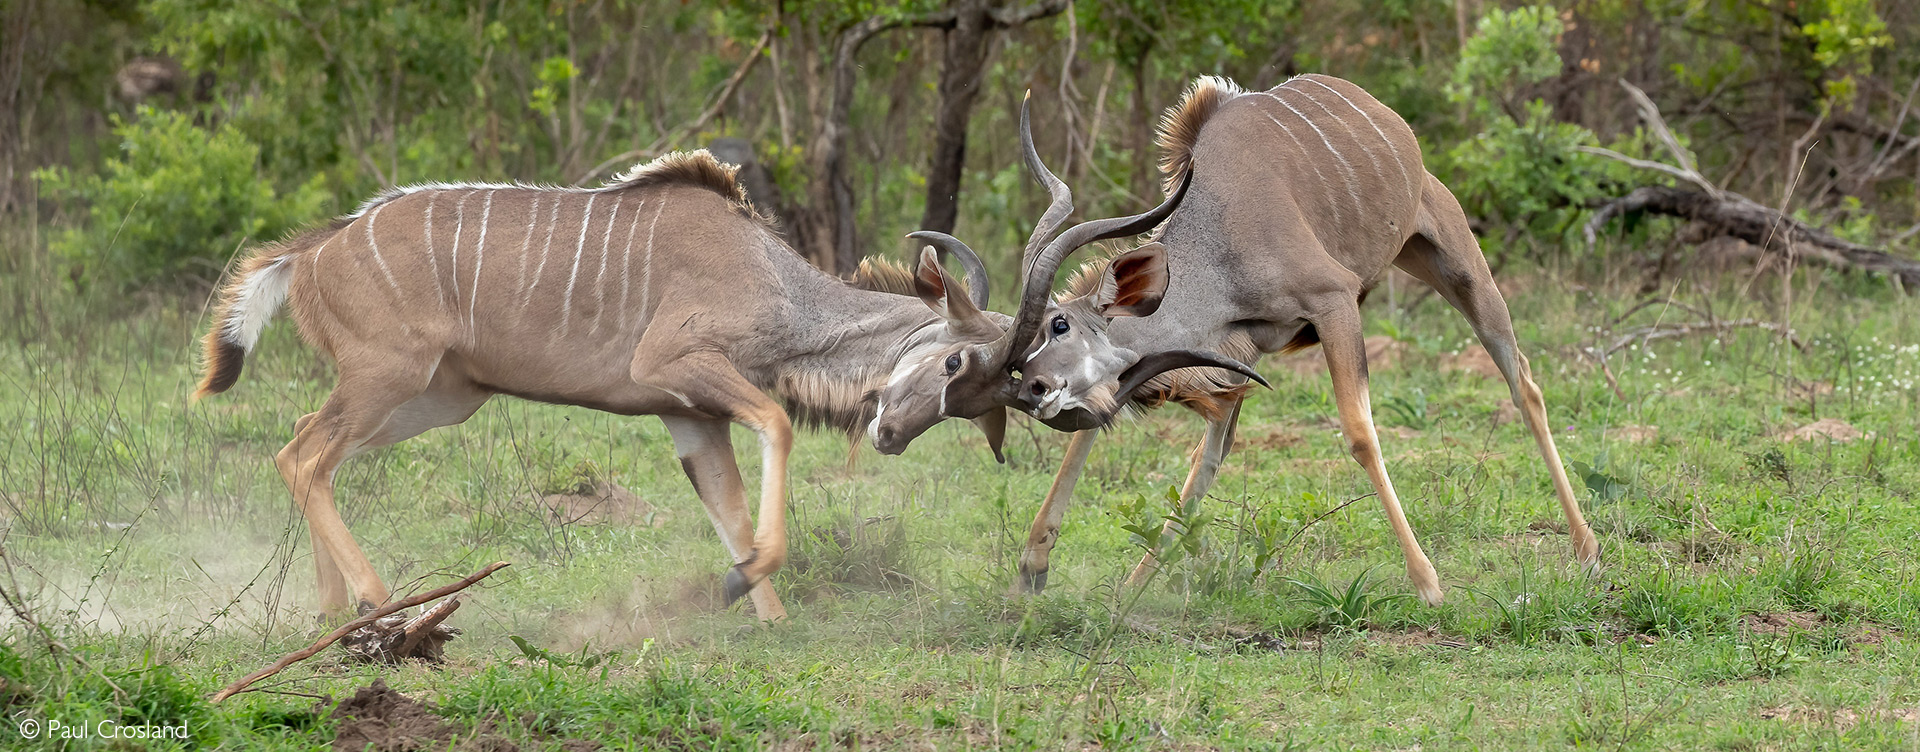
[(347, 628), (713, 108), (417, 629)]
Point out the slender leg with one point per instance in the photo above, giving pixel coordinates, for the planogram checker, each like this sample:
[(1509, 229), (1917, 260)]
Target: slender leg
[(1346, 351), (706, 454), (1207, 457), (332, 585), (1446, 257), (355, 410), (1046, 524), (705, 381)]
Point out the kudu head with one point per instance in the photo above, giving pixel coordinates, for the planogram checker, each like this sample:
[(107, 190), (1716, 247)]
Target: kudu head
[(1070, 332), (946, 352)]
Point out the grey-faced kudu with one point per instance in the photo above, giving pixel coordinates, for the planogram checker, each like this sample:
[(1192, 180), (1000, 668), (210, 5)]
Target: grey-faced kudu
[(1301, 198), (660, 293)]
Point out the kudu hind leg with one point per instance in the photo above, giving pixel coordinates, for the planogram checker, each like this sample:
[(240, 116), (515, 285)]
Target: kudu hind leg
[(1452, 264), (1346, 352), (1207, 457), (706, 454), (332, 585), (708, 383), (1046, 525), (354, 412)]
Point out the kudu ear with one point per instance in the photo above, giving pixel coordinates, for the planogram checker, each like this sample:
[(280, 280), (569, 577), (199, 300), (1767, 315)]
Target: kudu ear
[(939, 291), (994, 424), (1137, 280)]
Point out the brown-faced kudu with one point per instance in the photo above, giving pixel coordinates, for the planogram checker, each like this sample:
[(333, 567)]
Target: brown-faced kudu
[(1300, 199), (661, 293)]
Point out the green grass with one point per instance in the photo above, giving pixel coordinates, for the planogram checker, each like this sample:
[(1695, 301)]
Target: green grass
[(1758, 593)]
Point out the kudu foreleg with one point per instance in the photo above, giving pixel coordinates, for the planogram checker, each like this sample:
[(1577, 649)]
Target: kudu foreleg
[(1346, 352), (706, 454), (706, 382), (1207, 457), (1046, 525)]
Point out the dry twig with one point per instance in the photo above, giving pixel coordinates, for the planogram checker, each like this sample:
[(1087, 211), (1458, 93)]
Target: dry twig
[(347, 628)]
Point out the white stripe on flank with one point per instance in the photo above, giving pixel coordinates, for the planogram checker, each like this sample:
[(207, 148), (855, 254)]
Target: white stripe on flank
[(433, 263), (553, 220), (479, 257), (459, 221), (600, 278), (533, 217), (1338, 216), (1352, 177), (1352, 132), (626, 262), (1404, 174), (646, 263), (375, 247), (566, 303)]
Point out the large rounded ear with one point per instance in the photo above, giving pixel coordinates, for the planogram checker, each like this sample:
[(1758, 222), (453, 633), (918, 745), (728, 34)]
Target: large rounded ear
[(939, 290), (1137, 280), (993, 423)]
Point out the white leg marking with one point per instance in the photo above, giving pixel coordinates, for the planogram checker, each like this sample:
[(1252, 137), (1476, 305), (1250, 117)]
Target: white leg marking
[(479, 257), (1404, 174), (646, 263), (459, 220), (600, 279), (553, 220), (375, 247), (1353, 178), (1338, 216), (566, 303), (626, 262), (433, 263)]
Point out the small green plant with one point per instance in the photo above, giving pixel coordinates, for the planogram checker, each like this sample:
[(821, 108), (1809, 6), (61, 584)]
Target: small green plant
[(1605, 488), (1349, 607), (1410, 412), (584, 659)]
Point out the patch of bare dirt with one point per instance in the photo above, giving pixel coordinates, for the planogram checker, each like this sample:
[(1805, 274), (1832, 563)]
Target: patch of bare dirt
[(1806, 390), (1783, 622), (1831, 429), (1634, 434), (601, 502), (1402, 432), (1415, 638), (378, 719), (1474, 359), (1267, 438)]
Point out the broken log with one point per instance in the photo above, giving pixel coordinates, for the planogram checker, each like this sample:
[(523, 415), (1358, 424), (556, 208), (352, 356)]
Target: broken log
[(1740, 217)]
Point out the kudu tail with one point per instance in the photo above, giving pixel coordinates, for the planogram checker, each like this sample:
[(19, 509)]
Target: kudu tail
[(247, 303)]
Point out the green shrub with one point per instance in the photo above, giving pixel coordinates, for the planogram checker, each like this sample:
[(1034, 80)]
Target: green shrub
[(175, 204)]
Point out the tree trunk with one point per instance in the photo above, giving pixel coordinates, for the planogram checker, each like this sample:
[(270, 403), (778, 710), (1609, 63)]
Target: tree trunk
[(961, 70), (1142, 137)]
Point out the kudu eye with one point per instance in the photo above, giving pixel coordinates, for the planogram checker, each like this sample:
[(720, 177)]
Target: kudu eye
[(1060, 325), (953, 363)]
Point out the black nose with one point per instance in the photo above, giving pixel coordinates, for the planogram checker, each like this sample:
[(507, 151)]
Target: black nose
[(1039, 388)]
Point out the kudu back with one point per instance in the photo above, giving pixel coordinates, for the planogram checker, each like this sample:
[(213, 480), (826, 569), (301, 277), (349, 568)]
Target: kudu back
[(661, 293), (1301, 198)]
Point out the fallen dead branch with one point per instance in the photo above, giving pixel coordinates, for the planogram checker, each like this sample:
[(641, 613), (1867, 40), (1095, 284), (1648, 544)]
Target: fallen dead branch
[(1721, 212), (366, 619), (1669, 331)]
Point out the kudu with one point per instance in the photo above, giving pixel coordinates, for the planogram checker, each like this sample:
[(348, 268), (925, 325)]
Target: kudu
[(1301, 198), (661, 293)]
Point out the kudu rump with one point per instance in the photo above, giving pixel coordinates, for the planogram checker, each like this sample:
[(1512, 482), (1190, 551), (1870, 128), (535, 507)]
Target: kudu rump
[(661, 293), (1300, 199)]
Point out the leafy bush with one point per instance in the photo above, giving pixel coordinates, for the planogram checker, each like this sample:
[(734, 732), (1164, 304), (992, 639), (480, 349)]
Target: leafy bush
[(177, 202)]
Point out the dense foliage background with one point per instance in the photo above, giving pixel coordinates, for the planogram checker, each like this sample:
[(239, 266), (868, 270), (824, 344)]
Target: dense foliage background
[(146, 141)]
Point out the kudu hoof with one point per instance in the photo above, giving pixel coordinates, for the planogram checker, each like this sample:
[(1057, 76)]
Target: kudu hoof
[(1031, 583), (737, 584)]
